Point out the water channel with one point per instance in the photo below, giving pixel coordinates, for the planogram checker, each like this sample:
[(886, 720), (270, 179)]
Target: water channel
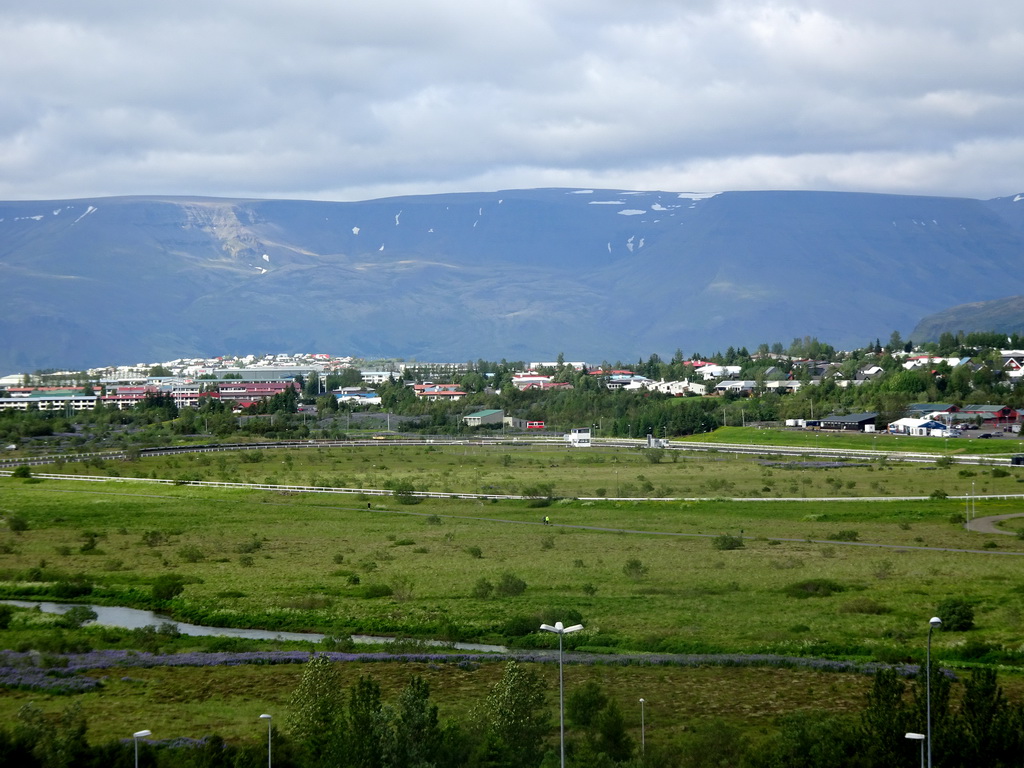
[(134, 618)]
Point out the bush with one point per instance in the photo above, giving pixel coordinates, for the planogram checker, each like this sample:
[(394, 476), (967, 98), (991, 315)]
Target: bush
[(814, 588), (404, 493), (482, 589), (75, 617), (167, 587), (957, 614), (76, 586), (727, 541), (635, 569), (474, 552), (509, 585), (371, 591), (843, 536), (191, 554), (864, 605), (938, 495), (22, 471), (17, 523)]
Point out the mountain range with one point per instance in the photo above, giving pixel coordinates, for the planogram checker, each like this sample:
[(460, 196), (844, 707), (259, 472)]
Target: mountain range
[(517, 274)]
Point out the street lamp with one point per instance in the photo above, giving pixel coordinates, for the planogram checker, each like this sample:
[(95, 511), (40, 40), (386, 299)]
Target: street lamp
[(918, 737), (135, 737), (643, 738), (559, 630), (933, 623), (269, 724)]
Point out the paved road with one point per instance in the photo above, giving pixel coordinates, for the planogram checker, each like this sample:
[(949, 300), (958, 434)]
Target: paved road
[(988, 524)]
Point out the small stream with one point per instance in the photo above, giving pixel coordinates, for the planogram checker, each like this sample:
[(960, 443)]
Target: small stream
[(134, 618)]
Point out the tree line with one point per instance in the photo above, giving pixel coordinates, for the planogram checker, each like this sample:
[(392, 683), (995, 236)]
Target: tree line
[(973, 724)]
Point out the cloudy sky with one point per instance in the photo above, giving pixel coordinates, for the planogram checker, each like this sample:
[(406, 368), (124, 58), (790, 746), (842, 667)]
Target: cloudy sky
[(333, 99)]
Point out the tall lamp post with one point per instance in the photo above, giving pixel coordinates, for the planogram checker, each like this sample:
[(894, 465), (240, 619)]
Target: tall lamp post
[(269, 724), (559, 630), (918, 737), (135, 737), (643, 736), (934, 622)]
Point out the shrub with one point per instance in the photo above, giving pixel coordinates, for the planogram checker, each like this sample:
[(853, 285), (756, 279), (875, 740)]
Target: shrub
[(246, 561), (17, 523), (1000, 472), (957, 614), (864, 605), (814, 588), (727, 541), (509, 585), (248, 547), (6, 613), (846, 535), (153, 538), (404, 493), (475, 552), (22, 471), (520, 626), (938, 494), (76, 586), (75, 617), (635, 569), (168, 586), (482, 589), (191, 554), (371, 591)]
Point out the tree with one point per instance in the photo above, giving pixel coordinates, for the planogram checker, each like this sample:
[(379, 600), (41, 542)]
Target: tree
[(583, 704), (417, 738), (53, 744), (318, 712), (368, 725), (516, 717), (610, 735), (884, 722)]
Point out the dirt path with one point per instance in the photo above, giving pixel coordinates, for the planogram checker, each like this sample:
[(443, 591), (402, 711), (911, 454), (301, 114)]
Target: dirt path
[(988, 524)]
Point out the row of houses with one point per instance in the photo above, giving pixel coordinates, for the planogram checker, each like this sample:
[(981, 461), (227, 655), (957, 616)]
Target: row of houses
[(928, 420), (241, 394)]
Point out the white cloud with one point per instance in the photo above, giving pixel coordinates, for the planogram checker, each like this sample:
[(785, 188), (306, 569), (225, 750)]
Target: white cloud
[(328, 100)]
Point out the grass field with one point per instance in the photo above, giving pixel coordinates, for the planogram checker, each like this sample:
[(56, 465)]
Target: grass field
[(598, 472), (644, 576)]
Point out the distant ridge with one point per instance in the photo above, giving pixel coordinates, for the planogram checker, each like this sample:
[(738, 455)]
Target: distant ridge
[(515, 274), (1004, 315)]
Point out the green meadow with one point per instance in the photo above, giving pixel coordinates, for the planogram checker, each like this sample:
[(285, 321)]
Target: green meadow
[(592, 473), (817, 569)]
